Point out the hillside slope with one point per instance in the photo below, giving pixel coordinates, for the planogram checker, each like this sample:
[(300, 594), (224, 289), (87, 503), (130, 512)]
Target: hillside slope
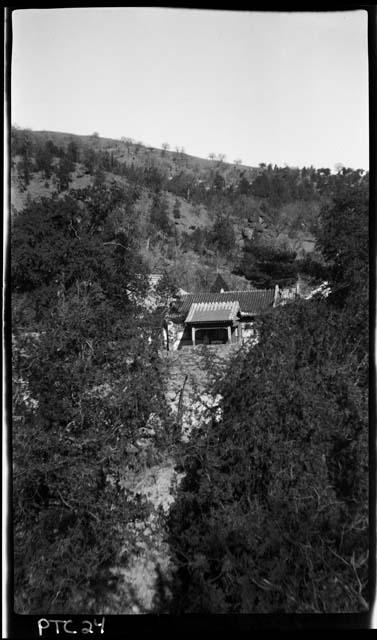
[(196, 216)]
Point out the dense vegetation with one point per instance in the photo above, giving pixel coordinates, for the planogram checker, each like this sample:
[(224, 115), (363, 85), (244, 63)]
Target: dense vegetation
[(273, 512), (201, 214), (86, 381)]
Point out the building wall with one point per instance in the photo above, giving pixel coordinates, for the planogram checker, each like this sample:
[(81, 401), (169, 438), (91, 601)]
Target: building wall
[(175, 333)]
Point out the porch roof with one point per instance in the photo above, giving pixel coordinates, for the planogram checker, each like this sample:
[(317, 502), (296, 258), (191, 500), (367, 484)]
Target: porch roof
[(213, 312)]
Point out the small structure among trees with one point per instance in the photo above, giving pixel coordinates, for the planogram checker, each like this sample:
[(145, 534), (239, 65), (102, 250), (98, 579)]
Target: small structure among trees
[(219, 316)]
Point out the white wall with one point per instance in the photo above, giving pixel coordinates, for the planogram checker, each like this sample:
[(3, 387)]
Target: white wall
[(175, 332)]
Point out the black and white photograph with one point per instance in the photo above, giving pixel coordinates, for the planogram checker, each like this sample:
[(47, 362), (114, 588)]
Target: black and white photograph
[(189, 257)]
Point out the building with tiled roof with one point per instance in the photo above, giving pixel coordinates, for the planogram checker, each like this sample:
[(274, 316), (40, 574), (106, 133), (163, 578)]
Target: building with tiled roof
[(213, 312), (251, 302), (219, 317)]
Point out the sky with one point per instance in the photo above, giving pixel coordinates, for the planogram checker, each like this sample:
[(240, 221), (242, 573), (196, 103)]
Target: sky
[(280, 88)]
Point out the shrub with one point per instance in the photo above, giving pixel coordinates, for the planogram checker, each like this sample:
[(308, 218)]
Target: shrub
[(266, 265), (272, 514), (86, 378)]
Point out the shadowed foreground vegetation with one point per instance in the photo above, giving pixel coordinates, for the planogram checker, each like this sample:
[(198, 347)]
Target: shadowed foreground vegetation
[(272, 515), (86, 379)]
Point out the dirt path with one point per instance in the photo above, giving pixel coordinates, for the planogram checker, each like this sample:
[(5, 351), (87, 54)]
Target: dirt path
[(146, 549), (157, 486)]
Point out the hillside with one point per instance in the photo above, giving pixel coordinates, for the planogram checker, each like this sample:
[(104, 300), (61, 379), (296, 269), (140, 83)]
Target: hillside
[(195, 216), (153, 481)]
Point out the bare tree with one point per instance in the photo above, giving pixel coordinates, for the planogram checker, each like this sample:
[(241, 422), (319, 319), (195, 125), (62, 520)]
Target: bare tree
[(138, 146), (212, 155), (221, 157), (165, 148), (237, 162), (127, 141)]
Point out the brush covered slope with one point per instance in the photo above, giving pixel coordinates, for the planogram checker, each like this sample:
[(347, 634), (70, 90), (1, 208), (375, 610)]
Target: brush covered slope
[(195, 216), (272, 515)]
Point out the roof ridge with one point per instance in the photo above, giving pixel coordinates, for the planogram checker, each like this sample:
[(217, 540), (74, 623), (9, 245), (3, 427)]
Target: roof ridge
[(221, 293), (248, 290)]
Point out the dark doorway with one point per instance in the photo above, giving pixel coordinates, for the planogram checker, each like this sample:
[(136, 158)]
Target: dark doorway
[(218, 335)]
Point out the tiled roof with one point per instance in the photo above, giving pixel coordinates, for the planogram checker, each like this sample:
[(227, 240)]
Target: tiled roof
[(213, 311), (251, 302)]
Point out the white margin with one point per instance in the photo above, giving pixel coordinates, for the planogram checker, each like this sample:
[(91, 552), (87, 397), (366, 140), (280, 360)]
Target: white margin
[(5, 594)]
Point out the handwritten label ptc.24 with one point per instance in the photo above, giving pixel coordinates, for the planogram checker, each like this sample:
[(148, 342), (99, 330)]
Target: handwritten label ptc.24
[(87, 626)]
